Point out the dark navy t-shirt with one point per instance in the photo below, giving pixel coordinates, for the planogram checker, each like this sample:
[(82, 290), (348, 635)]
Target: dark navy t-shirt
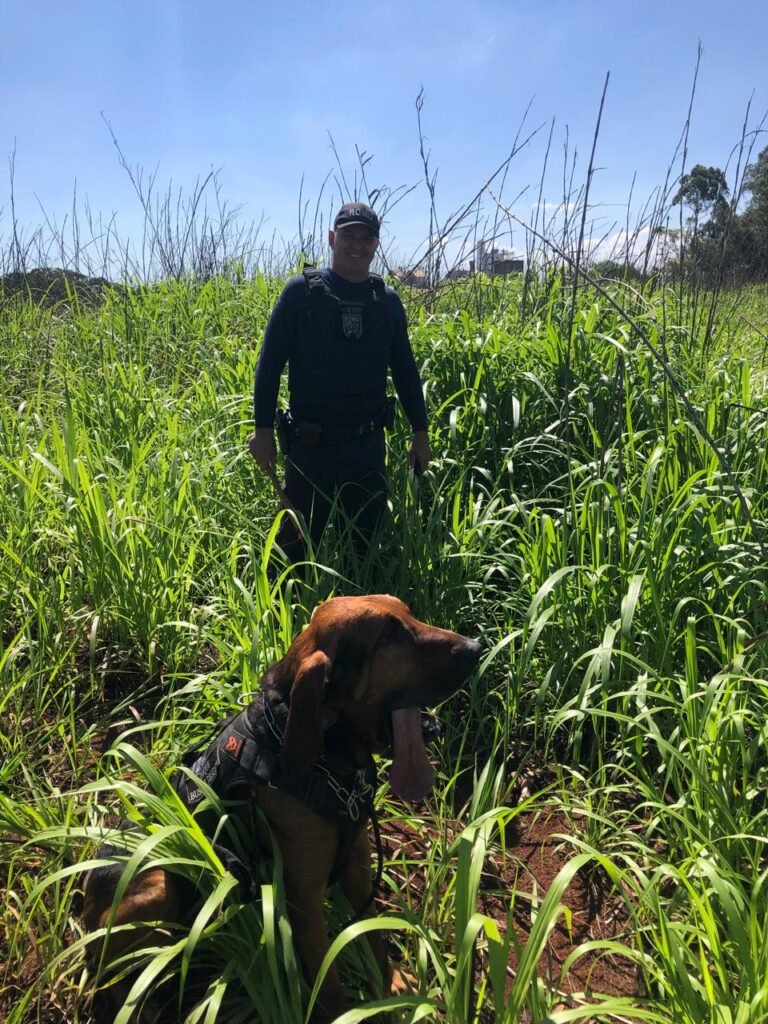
[(339, 347)]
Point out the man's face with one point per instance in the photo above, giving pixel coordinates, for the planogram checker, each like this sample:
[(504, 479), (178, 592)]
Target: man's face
[(353, 248)]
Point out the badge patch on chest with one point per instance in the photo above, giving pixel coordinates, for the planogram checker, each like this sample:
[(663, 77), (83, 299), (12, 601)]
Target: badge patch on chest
[(352, 320)]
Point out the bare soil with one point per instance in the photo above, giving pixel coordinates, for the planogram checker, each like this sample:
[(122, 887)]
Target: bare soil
[(518, 880)]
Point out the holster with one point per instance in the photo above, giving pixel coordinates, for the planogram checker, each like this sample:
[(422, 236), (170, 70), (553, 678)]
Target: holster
[(388, 412), (284, 431)]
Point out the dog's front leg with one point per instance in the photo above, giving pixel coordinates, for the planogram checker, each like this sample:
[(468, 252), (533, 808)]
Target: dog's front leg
[(307, 845), (306, 880), (357, 882)]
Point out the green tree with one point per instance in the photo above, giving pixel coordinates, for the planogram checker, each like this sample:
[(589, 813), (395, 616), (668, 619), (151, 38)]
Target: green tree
[(704, 190), (754, 220), (756, 180), (702, 244)]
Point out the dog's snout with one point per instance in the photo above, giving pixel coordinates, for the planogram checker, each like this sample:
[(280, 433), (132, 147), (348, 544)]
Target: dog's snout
[(468, 651)]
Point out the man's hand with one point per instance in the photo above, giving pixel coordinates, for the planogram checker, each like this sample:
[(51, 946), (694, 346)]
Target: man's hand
[(419, 452), (261, 445)]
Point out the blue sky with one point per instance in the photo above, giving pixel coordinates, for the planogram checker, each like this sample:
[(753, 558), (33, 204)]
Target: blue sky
[(254, 90)]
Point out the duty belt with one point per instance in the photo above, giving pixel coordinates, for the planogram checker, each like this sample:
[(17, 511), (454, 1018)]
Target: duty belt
[(316, 435)]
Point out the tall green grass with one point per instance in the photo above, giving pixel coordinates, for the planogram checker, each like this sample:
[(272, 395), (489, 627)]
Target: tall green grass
[(575, 518)]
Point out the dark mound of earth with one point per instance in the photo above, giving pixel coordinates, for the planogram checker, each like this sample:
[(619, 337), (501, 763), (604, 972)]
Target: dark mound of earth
[(53, 287)]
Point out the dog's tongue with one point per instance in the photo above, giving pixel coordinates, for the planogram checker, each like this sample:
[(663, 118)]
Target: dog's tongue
[(411, 775)]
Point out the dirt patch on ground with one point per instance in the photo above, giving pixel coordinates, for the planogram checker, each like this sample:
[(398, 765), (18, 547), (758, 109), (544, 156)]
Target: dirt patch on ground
[(598, 912), (514, 884)]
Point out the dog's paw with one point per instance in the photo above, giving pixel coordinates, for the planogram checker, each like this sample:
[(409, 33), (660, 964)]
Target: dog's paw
[(401, 982)]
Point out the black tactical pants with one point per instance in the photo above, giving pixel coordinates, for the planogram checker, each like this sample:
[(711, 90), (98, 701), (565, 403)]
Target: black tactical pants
[(350, 476)]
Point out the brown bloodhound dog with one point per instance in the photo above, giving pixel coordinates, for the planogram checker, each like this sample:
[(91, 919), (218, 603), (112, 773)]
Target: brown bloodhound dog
[(351, 685)]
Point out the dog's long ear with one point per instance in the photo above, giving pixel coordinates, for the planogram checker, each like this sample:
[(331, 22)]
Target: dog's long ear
[(303, 740)]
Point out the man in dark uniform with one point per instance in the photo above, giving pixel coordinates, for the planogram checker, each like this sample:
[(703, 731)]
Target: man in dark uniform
[(340, 331)]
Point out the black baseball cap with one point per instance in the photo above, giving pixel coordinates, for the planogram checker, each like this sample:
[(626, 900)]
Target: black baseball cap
[(357, 213)]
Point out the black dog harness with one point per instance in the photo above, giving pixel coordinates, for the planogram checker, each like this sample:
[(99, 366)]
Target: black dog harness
[(246, 750)]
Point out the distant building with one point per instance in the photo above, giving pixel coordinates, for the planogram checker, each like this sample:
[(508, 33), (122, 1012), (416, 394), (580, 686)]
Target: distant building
[(415, 278), (509, 265), (496, 262)]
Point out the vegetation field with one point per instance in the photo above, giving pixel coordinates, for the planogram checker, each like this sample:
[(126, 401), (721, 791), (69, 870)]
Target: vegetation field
[(597, 513)]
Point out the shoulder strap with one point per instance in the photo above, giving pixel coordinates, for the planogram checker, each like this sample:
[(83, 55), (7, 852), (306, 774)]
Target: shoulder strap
[(315, 289), (379, 288), (380, 303)]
